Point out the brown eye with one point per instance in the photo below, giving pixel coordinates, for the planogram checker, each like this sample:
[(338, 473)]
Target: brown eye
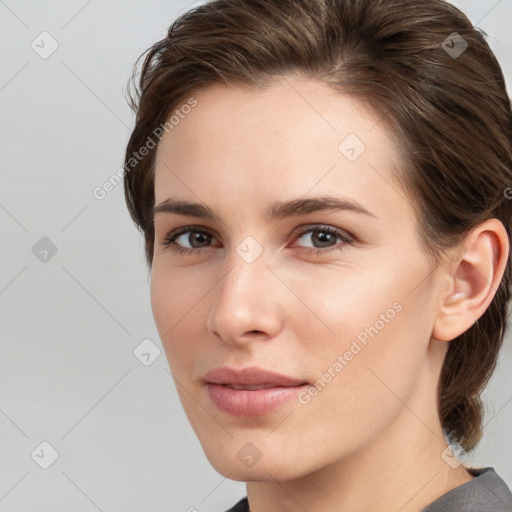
[(324, 237), (188, 240)]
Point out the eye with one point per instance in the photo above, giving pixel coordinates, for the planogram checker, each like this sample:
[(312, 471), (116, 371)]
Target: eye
[(196, 238), (324, 239), (193, 240)]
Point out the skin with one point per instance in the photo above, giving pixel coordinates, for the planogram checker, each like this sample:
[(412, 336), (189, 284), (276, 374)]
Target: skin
[(371, 438)]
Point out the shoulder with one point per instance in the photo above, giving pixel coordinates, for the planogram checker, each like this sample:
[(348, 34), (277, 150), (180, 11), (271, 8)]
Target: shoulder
[(486, 492), (241, 506)]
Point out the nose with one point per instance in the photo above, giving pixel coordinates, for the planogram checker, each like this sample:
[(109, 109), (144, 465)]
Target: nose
[(247, 302)]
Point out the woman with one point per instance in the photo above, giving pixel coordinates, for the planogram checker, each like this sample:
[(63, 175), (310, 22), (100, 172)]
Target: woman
[(322, 188)]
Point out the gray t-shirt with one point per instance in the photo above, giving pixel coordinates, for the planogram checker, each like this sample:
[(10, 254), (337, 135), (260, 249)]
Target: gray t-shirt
[(487, 492)]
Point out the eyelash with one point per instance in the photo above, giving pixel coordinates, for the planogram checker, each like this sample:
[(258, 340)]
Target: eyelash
[(169, 240)]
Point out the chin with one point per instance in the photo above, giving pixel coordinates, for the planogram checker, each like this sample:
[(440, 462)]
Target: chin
[(272, 468)]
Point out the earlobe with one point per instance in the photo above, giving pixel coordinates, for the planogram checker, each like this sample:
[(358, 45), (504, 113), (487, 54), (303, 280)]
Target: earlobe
[(474, 276)]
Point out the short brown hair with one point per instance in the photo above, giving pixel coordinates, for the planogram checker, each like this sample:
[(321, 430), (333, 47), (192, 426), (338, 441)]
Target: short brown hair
[(449, 111)]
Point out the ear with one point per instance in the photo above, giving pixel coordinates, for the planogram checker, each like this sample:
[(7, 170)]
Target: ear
[(474, 273)]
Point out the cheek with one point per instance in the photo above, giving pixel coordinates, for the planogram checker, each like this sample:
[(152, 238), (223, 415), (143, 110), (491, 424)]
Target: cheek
[(346, 303), (176, 303), (369, 339)]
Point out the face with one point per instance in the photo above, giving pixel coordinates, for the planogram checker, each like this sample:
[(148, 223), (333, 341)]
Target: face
[(274, 274)]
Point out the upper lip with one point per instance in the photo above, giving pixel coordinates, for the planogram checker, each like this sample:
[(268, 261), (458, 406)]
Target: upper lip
[(249, 376)]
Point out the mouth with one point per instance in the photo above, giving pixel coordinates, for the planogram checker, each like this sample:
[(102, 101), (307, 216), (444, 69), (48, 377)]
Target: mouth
[(251, 391), (255, 388), (252, 401), (250, 378)]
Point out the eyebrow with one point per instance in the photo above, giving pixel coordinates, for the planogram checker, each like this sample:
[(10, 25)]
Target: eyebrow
[(277, 211)]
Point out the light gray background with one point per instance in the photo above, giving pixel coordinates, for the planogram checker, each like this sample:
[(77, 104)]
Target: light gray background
[(69, 326)]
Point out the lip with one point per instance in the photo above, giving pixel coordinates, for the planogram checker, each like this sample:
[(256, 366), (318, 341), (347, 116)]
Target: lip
[(279, 389), (250, 376)]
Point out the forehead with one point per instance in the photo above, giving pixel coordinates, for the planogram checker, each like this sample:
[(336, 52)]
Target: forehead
[(287, 111), (293, 136)]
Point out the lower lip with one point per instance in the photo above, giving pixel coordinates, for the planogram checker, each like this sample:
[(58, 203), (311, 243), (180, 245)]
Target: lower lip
[(243, 402)]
